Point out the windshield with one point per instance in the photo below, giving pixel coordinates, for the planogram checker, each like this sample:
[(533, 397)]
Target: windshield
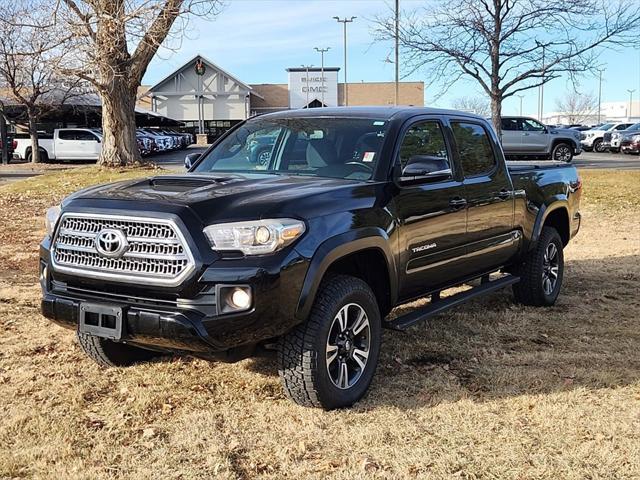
[(605, 127), (324, 147)]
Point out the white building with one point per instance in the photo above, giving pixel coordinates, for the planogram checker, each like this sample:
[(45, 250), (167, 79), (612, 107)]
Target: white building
[(202, 95)]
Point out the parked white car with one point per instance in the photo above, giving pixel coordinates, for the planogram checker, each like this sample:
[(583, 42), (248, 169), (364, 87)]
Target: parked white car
[(594, 139), (66, 144)]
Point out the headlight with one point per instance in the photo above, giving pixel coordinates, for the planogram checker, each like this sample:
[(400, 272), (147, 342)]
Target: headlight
[(254, 237), (636, 138), (51, 218)]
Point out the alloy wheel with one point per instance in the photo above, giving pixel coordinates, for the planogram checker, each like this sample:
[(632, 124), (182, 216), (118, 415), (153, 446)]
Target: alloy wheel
[(348, 346), (563, 153), (550, 268)]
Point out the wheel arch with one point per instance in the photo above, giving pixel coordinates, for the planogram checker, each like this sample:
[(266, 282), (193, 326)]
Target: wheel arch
[(361, 253), (555, 215)]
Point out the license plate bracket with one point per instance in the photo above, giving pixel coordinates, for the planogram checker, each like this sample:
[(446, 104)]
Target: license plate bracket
[(101, 320)]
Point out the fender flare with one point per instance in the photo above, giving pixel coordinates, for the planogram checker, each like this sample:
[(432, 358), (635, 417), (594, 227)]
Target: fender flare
[(338, 247), (573, 142), (559, 202)]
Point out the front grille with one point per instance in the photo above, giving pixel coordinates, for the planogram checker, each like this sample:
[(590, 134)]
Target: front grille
[(156, 253)]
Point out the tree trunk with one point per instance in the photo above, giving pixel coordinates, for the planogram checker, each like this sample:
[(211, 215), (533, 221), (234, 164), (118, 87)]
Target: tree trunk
[(119, 146), (496, 114), (33, 134)]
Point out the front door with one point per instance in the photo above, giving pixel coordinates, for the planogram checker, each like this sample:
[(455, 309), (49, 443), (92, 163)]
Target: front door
[(491, 239), (535, 137), (431, 216)]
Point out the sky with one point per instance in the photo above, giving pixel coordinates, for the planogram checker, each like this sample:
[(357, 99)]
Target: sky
[(256, 40)]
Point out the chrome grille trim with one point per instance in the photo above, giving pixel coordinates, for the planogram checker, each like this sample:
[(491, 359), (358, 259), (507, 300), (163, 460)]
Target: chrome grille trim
[(158, 252)]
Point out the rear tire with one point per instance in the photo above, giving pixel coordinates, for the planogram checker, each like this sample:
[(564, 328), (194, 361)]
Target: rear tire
[(44, 158), (542, 272), (108, 353), (329, 361)]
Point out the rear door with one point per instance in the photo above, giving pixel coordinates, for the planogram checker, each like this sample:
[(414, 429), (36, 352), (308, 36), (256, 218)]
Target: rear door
[(88, 145), (431, 216), (511, 135), (535, 136), (490, 236), (66, 144)]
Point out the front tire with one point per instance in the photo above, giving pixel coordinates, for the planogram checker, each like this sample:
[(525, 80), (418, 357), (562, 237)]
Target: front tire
[(562, 152), (108, 353), (542, 272), (329, 361), (597, 146)]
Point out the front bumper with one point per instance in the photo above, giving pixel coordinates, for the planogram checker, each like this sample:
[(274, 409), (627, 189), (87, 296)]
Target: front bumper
[(188, 319), (630, 147)]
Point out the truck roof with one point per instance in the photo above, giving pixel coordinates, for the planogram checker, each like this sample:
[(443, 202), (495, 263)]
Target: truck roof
[(385, 113)]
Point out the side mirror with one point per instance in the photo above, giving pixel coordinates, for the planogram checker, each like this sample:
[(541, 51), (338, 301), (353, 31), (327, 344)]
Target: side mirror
[(190, 159), (424, 168)]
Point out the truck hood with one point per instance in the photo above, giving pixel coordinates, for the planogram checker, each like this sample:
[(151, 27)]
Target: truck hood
[(234, 196)]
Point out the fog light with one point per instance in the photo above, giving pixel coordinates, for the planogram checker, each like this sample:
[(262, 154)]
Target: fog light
[(233, 298), (240, 299)]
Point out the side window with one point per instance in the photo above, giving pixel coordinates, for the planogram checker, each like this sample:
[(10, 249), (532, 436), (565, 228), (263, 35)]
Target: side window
[(423, 139), (85, 136), (474, 148), (67, 134), (531, 126), (510, 124)]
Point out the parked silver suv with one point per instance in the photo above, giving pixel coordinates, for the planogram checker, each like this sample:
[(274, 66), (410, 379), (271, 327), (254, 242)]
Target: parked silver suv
[(526, 137)]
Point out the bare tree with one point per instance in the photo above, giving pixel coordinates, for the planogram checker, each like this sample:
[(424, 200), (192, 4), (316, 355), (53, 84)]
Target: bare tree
[(113, 43), (508, 46), (577, 107), (30, 53), (478, 105)]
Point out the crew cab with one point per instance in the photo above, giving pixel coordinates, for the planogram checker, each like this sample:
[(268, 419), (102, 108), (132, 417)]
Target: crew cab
[(356, 211), (524, 137), (64, 144)]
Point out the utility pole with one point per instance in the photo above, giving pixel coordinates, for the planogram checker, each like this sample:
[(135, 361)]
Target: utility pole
[(322, 52), (307, 67), (346, 84), (520, 97), (599, 96), (630, 101), (541, 88), (397, 35), (4, 138)]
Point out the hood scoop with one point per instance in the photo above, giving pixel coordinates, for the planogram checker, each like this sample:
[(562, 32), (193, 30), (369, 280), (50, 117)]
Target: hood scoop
[(182, 183)]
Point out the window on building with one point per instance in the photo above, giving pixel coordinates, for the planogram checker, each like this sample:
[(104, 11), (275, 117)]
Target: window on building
[(474, 148)]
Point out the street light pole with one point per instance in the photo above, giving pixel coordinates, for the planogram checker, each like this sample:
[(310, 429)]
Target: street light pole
[(599, 96), (630, 101), (346, 84), (307, 67), (520, 97), (397, 34), (322, 51)]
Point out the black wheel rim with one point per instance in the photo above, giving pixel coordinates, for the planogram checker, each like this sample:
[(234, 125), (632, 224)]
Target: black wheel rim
[(563, 153), (550, 268), (348, 346)]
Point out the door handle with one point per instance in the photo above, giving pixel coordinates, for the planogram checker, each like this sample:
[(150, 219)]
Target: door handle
[(504, 194), (458, 202), (526, 134)]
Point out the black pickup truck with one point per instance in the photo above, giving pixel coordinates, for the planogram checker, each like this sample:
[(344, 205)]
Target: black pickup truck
[(356, 211)]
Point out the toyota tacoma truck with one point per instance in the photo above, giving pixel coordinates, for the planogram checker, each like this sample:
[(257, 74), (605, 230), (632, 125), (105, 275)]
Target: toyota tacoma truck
[(356, 211)]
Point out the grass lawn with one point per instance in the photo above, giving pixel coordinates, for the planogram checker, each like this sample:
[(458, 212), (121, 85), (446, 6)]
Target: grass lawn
[(489, 390)]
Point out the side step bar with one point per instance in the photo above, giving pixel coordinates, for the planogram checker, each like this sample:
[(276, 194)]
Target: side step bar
[(438, 305)]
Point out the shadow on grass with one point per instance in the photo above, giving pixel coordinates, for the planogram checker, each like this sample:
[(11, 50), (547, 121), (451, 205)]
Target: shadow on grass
[(493, 348)]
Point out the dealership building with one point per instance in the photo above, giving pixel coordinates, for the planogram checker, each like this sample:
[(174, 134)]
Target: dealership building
[(208, 99)]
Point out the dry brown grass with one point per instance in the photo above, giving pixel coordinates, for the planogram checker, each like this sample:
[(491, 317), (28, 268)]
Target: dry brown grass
[(490, 390)]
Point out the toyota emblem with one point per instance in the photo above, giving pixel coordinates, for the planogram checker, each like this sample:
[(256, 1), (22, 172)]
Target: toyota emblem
[(111, 243)]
